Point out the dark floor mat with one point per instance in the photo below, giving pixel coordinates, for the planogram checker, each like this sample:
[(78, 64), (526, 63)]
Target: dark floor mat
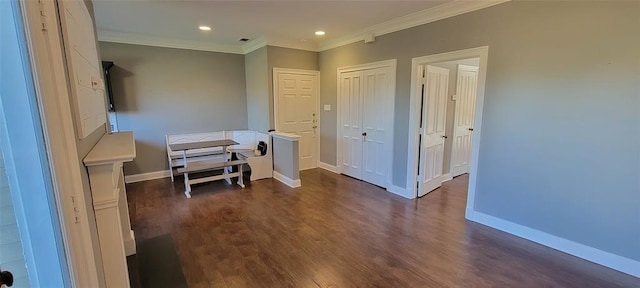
[(159, 264)]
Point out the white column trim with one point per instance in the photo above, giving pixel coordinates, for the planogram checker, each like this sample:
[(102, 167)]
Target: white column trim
[(286, 180), (48, 66)]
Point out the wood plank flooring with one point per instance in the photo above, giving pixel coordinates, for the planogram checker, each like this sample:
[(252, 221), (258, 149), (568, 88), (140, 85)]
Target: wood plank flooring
[(336, 231)]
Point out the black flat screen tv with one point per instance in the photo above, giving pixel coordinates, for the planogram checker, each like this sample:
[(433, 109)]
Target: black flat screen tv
[(106, 65)]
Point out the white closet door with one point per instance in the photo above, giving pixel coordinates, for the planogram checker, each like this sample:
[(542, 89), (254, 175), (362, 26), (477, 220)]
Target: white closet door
[(434, 109), (466, 90), (351, 123), (377, 94)]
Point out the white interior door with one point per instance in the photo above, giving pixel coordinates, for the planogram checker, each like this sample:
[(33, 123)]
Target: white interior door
[(434, 107), (351, 84), (296, 111), (466, 87), (377, 92)]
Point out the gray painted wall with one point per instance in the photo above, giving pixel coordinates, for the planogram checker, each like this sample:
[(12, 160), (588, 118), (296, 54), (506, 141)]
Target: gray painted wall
[(287, 58), (159, 91), (257, 77), (561, 129), (259, 66)]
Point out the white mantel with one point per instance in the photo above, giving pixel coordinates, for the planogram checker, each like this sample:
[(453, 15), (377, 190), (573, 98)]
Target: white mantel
[(117, 240)]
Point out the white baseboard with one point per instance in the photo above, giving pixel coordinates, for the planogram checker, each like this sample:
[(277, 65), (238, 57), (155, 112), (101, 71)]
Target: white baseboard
[(446, 177), (399, 191), (329, 167), (146, 176), (286, 180), (613, 261)]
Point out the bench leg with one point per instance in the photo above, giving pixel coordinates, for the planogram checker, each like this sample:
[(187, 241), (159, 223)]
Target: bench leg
[(228, 179), (240, 180), (187, 187), (171, 169)]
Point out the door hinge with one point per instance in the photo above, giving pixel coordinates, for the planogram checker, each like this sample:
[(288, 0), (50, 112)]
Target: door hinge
[(76, 211), (43, 16)]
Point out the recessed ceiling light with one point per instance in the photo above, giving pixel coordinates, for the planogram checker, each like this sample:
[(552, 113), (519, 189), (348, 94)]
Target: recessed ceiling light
[(319, 33), (205, 28)]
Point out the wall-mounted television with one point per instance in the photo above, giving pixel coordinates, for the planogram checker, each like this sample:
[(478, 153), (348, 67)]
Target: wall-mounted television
[(106, 65)]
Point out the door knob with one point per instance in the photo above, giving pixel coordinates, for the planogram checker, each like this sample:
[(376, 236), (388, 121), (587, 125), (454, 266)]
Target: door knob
[(314, 127), (470, 129), (444, 136), (364, 134)]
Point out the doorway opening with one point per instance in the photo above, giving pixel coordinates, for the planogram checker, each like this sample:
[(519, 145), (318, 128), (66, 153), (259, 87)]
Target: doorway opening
[(447, 96)]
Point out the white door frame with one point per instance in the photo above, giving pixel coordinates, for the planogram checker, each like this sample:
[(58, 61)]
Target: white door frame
[(49, 74), (276, 74), (414, 111), (391, 111)]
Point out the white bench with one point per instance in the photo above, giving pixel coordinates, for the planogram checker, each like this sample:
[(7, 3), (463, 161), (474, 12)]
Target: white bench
[(261, 166), (210, 165)]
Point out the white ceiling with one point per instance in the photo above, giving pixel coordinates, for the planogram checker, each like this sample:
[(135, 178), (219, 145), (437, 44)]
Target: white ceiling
[(282, 23)]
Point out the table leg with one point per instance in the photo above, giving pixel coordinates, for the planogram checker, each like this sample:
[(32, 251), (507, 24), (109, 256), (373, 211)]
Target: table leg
[(187, 186), (240, 180), (226, 169)]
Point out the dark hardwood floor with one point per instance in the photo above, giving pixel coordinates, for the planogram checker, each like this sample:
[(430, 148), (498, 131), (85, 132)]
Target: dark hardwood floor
[(336, 231)]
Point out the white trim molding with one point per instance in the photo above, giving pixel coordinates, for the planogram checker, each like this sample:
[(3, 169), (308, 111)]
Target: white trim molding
[(147, 176), (286, 180), (254, 44), (613, 261), (147, 40), (446, 10), (329, 167), (398, 191), (50, 79)]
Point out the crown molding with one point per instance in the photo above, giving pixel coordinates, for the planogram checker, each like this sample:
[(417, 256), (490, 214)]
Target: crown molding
[(433, 14), (254, 44), (262, 41), (141, 39), (446, 10)]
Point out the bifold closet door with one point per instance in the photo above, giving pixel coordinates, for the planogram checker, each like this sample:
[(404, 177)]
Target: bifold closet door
[(351, 123), (366, 98), (377, 90)]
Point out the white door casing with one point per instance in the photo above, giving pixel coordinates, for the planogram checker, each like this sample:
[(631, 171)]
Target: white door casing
[(436, 84), (44, 39), (466, 91), (296, 110), (366, 95), (414, 118)]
